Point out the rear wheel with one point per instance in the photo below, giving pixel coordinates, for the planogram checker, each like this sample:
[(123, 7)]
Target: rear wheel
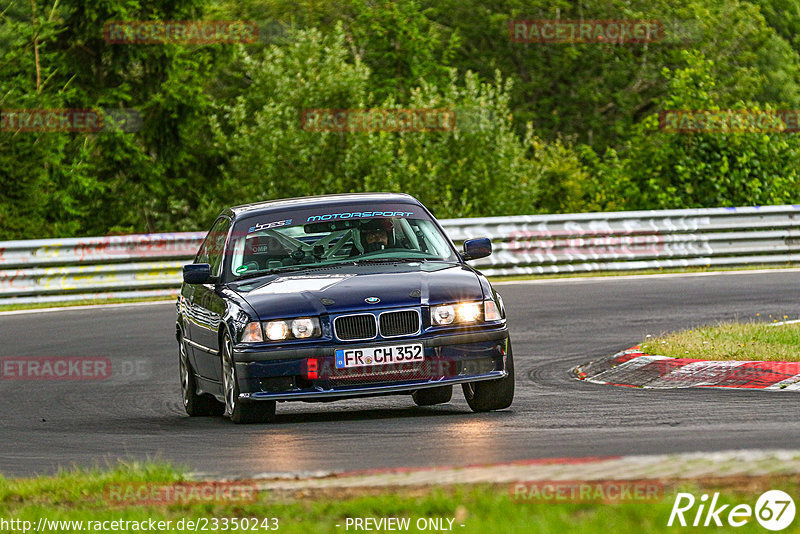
[(195, 405), (492, 394), (431, 396), (239, 412)]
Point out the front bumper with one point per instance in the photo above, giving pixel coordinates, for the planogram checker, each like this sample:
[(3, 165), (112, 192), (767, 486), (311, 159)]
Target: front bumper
[(455, 358)]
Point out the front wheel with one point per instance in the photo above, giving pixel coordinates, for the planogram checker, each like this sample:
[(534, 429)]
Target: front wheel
[(492, 394), (240, 413), (196, 405)]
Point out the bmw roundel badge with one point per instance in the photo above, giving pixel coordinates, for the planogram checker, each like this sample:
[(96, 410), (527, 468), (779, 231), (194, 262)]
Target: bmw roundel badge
[(372, 300)]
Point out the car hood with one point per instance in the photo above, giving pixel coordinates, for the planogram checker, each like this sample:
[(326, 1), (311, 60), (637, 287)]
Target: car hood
[(353, 288)]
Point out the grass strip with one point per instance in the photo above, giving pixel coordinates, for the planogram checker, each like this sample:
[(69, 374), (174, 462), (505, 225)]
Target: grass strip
[(749, 341), (82, 495)]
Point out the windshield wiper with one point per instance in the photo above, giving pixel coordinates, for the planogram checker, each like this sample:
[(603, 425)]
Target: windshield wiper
[(365, 261), (390, 260), (276, 270)]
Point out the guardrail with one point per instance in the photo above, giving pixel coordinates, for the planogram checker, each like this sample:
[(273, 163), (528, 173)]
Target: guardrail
[(50, 270)]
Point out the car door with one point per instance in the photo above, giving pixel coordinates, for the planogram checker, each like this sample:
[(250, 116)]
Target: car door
[(206, 305)]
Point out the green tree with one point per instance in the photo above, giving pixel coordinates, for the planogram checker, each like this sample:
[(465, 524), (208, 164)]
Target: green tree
[(476, 171), (688, 170)]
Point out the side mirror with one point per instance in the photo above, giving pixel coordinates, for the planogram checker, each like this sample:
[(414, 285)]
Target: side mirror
[(197, 273), (476, 248)]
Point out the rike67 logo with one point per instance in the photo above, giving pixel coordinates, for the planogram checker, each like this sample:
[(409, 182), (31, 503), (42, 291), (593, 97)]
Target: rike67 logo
[(774, 510)]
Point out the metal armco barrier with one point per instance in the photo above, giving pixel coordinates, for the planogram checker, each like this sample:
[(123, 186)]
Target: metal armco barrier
[(150, 265)]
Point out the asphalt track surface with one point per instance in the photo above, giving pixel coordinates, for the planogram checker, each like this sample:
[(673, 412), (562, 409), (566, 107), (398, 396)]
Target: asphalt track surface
[(45, 425)]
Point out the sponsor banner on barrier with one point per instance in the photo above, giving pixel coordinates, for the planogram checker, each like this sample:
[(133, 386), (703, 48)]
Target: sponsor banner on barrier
[(101, 276), (160, 245), (97, 249), (567, 242), (523, 245)]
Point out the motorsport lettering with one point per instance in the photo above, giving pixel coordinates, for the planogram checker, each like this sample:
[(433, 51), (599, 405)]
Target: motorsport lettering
[(358, 214)]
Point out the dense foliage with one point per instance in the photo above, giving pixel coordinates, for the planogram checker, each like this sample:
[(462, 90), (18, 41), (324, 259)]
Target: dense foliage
[(543, 128)]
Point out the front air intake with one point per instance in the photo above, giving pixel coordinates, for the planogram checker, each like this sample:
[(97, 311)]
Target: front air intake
[(399, 323), (355, 327)]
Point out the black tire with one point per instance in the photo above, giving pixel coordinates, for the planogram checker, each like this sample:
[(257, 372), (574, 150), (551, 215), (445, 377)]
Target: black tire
[(431, 396), (491, 395), (204, 405), (240, 412)]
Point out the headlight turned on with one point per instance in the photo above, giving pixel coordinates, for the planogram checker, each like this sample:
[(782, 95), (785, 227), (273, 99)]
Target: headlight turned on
[(300, 328), (465, 313), (468, 312)]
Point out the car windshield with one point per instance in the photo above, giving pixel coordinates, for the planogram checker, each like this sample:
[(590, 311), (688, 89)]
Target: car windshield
[(286, 241)]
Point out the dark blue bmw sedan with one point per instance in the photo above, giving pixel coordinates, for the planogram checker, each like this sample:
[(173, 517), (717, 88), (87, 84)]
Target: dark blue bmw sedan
[(336, 297)]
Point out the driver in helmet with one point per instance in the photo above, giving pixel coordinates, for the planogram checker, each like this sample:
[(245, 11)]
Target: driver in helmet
[(377, 234)]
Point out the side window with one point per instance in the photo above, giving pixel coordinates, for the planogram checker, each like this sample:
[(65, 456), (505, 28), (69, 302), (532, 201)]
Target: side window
[(212, 249)]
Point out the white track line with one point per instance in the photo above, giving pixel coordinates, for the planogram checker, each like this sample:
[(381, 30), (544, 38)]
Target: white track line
[(784, 322), (642, 276), (89, 307)]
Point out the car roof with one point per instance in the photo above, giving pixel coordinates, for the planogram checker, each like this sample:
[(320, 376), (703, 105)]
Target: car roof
[(321, 200)]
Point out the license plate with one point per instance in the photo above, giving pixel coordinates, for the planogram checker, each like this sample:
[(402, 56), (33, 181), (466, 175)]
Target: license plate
[(366, 356)]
